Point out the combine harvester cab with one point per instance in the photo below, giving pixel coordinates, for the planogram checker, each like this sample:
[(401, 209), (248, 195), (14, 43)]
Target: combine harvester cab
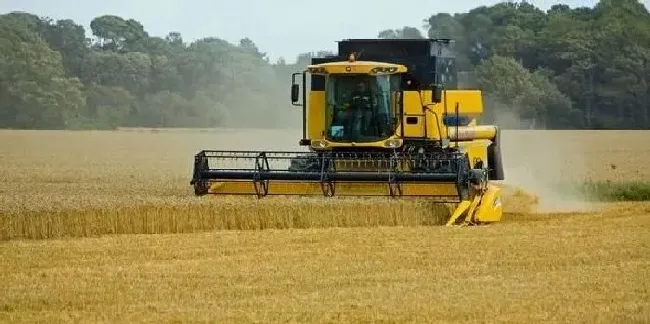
[(383, 118)]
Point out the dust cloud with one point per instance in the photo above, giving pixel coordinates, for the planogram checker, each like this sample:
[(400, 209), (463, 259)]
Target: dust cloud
[(542, 163)]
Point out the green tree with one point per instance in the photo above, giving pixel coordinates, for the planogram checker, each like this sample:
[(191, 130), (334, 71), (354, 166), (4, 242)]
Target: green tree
[(34, 91), (585, 67), (249, 46), (406, 32), (69, 39), (117, 34), (531, 98)]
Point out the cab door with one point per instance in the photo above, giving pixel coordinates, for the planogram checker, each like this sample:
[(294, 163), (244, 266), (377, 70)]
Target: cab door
[(413, 116)]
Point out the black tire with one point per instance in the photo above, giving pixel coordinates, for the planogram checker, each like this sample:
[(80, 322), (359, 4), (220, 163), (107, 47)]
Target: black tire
[(494, 162)]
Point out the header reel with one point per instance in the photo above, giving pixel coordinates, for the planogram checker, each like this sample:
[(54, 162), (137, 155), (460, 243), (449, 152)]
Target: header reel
[(444, 177)]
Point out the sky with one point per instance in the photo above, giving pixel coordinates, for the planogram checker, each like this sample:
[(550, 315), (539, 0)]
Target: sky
[(281, 28)]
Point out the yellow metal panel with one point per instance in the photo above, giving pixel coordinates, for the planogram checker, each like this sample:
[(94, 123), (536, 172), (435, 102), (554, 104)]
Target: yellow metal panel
[(460, 210), (316, 114), (432, 190), (413, 110), (476, 150), (470, 102), (343, 67), (491, 208), (433, 117), (434, 127), (381, 143)]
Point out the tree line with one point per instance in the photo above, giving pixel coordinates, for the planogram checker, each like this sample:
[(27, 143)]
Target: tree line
[(564, 68), (52, 76), (567, 68)]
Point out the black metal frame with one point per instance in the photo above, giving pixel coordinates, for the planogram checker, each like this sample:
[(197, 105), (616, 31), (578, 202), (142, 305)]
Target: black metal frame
[(447, 166), (303, 104)]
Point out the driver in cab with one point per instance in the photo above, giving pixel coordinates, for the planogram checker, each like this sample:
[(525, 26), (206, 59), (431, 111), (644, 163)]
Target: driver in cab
[(360, 109)]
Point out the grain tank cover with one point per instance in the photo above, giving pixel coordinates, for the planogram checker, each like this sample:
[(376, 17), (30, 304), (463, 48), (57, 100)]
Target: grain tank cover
[(430, 61), (395, 48)]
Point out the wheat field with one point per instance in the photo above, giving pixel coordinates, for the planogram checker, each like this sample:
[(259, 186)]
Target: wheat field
[(556, 257)]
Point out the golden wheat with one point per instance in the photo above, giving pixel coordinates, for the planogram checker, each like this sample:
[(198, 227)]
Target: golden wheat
[(57, 183), (185, 215), (579, 268), (573, 266)]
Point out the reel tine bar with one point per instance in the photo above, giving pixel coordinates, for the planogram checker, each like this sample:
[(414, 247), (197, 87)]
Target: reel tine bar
[(327, 185), (395, 169), (261, 164)]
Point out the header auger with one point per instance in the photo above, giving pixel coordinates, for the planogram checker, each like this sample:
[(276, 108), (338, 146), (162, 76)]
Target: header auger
[(382, 118)]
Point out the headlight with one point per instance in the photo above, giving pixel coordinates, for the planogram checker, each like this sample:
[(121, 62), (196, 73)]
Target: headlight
[(381, 69), (317, 70), (393, 143), (318, 144)]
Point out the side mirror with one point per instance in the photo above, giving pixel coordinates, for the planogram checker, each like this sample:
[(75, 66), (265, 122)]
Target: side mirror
[(436, 93), (295, 91)]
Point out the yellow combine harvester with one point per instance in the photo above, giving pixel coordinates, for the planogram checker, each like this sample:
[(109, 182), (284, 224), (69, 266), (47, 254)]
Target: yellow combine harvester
[(381, 118)]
